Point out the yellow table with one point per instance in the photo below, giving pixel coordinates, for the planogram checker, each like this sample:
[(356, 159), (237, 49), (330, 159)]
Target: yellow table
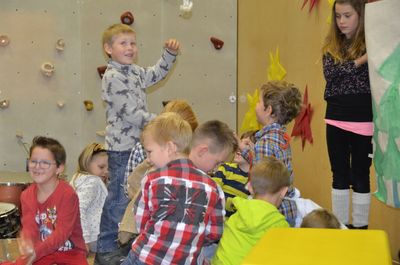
[(309, 246)]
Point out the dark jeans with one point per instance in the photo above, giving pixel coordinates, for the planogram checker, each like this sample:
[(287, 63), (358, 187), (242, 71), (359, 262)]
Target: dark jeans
[(115, 203), (350, 163)]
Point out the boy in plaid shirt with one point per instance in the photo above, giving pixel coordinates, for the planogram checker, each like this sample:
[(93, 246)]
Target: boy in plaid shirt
[(181, 208), (279, 103)]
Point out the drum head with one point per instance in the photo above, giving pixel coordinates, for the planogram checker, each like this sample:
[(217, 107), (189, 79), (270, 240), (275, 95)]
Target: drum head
[(6, 208)]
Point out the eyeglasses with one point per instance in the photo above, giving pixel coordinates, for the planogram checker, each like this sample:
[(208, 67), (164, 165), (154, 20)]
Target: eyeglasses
[(43, 164)]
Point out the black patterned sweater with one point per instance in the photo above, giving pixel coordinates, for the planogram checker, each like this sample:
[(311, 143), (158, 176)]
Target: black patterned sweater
[(347, 91)]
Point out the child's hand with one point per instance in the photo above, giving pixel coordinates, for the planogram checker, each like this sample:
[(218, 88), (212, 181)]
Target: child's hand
[(172, 45), (26, 259), (361, 60), (25, 246)]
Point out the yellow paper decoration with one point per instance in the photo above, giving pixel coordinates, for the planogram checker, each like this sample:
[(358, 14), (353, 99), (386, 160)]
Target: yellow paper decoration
[(250, 122), (275, 70), (330, 3)]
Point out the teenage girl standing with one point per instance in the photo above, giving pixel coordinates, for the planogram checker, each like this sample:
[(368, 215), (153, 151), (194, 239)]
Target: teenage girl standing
[(349, 112)]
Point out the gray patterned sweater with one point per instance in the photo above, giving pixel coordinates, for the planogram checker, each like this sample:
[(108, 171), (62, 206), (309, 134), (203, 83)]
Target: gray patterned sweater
[(124, 92)]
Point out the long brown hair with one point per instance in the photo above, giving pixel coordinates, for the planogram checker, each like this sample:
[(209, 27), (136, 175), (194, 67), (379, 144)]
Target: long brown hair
[(336, 43)]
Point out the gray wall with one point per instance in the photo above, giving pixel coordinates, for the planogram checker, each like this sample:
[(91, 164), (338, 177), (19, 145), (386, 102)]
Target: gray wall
[(203, 76)]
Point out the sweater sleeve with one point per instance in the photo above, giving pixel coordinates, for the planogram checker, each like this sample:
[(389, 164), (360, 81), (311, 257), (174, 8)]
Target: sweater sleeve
[(88, 195), (159, 71), (334, 70), (29, 225), (67, 216)]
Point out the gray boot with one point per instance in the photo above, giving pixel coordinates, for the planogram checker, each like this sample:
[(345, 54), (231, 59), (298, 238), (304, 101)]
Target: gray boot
[(341, 205), (361, 205)]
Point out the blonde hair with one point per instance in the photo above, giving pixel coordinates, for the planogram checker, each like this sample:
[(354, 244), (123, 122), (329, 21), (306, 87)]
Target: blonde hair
[(268, 176), (184, 110), (113, 30), (284, 99), (170, 126), (320, 218), (218, 135), (87, 155), (336, 43), (85, 158)]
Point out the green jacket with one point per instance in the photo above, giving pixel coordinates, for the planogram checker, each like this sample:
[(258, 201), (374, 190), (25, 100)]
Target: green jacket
[(244, 228)]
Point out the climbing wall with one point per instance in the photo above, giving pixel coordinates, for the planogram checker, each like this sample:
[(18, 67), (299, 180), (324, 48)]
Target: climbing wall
[(35, 104)]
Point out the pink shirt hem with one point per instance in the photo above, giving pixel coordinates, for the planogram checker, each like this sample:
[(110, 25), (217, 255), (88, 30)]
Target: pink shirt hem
[(362, 128)]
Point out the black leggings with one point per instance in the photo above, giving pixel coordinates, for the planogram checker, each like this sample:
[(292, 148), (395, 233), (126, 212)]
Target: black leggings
[(350, 163)]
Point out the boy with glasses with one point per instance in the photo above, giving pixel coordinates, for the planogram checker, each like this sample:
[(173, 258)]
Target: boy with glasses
[(51, 227)]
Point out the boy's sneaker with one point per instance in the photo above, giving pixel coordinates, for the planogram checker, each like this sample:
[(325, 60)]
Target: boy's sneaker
[(115, 257)]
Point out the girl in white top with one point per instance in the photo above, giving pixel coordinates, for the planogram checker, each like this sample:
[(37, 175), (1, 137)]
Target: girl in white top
[(89, 183)]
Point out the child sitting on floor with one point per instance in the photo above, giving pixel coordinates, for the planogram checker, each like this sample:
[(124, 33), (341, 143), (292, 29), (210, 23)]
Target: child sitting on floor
[(233, 177), (279, 103), (180, 208), (269, 183), (89, 183), (320, 218), (51, 227)]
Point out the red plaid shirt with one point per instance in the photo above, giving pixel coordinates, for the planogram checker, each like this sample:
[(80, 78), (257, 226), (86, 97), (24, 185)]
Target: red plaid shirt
[(181, 210)]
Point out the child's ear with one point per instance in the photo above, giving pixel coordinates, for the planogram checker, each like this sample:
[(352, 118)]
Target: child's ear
[(283, 192), (250, 188), (268, 110), (171, 147), (202, 149), (107, 48), (60, 169)]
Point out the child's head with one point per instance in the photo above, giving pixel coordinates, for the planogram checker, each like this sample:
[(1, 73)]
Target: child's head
[(238, 158), (320, 218), (279, 102), (184, 110), (213, 142), (249, 135), (166, 138), (345, 40), (93, 160), (46, 158), (119, 43), (269, 177)]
